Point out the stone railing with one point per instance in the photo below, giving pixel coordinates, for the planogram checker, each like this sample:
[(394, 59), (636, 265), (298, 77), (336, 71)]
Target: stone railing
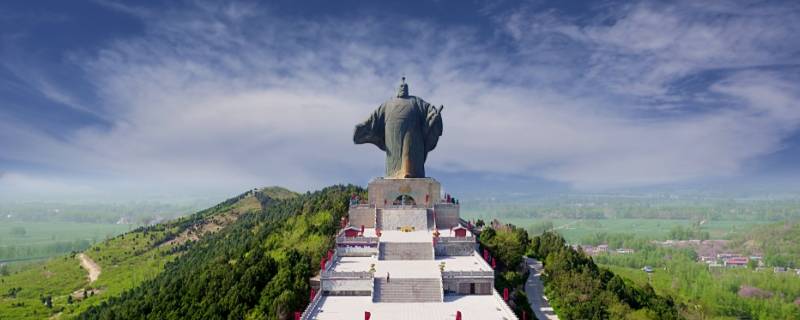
[(311, 306), (362, 205), (467, 274), (329, 264), (357, 240), (446, 205), (507, 312), (346, 275), (470, 239), (408, 206)]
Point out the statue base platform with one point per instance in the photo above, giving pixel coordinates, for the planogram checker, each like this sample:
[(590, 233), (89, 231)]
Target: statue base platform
[(413, 192)]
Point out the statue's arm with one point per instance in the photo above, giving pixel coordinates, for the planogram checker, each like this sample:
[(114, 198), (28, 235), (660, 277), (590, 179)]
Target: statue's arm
[(433, 125), (372, 130)]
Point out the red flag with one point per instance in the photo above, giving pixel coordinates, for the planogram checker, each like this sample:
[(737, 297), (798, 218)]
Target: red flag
[(505, 294), (313, 293), (494, 263), (367, 315), (330, 254), (458, 315), (297, 315), (485, 254), (322, 264)]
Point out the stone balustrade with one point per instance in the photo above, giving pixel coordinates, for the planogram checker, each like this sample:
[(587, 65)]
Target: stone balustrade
[(346, 275), (470, 239), (467, 274), (357, 240)]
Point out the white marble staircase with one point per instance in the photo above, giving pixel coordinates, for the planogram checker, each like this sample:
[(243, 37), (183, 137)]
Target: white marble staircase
[(407, 290)]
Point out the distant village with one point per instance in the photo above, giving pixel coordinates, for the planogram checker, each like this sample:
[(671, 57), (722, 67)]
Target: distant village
[(713, 253)]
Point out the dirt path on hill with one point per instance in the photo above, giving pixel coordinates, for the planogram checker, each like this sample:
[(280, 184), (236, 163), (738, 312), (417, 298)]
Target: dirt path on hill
[(89, 264)]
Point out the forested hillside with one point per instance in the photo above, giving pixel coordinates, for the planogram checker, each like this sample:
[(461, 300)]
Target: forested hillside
[(257, 268), (59, 286)]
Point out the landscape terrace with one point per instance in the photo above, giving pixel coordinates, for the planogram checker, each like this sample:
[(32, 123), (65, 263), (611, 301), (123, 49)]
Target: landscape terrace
[(405, 252)]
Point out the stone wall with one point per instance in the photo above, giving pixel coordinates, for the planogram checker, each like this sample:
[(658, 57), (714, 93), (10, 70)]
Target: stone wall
[(454, 248), (392, 219), (348, 287), (382, 190), (356, 251), (446, 216), (462, 286), (359, 216)]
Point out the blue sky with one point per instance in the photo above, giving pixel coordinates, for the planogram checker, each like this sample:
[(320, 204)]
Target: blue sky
[(101, 98)]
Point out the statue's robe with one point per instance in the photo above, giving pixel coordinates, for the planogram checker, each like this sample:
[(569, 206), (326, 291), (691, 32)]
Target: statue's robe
[(406, 128)]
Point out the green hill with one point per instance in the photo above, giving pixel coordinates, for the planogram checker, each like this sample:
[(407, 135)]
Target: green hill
[(60, 288), (257, 268)]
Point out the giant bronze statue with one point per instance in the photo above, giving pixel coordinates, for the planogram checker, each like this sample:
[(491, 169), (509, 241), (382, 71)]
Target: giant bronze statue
[(406, 128)]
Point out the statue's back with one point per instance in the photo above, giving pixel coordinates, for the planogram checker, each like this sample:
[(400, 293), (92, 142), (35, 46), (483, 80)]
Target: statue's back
[(406, 128)]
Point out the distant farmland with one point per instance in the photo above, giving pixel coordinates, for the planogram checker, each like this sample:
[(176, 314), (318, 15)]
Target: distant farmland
[(575, 230), (20, 241)]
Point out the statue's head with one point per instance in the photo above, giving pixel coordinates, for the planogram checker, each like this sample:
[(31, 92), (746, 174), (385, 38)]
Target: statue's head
[(402, 92)]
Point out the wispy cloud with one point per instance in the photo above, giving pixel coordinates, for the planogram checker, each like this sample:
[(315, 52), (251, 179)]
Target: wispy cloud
[(235, 96)]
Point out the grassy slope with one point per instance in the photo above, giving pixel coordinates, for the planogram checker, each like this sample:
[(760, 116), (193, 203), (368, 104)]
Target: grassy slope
[(126, 261)]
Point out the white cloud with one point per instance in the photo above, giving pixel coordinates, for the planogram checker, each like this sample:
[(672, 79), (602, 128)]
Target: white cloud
[(234, 100)]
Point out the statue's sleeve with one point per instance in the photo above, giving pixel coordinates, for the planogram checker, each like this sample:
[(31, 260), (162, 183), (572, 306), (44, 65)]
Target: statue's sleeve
[(372, 130), (433, 127)]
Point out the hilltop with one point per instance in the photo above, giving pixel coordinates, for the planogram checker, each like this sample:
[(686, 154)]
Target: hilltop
[(60, 287)]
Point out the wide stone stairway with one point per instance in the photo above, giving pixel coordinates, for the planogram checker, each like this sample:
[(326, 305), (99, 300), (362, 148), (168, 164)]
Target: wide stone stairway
[(406, 251), (407, 290)]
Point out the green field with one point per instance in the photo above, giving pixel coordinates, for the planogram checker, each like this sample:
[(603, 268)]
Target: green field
[(38, 233), (37, 240), (576, 230)]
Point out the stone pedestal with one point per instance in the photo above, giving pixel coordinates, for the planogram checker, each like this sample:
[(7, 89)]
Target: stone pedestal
[(385, 192), (395, 219)]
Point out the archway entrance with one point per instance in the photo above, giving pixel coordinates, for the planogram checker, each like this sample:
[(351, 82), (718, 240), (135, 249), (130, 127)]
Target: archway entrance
[(404, 200)]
